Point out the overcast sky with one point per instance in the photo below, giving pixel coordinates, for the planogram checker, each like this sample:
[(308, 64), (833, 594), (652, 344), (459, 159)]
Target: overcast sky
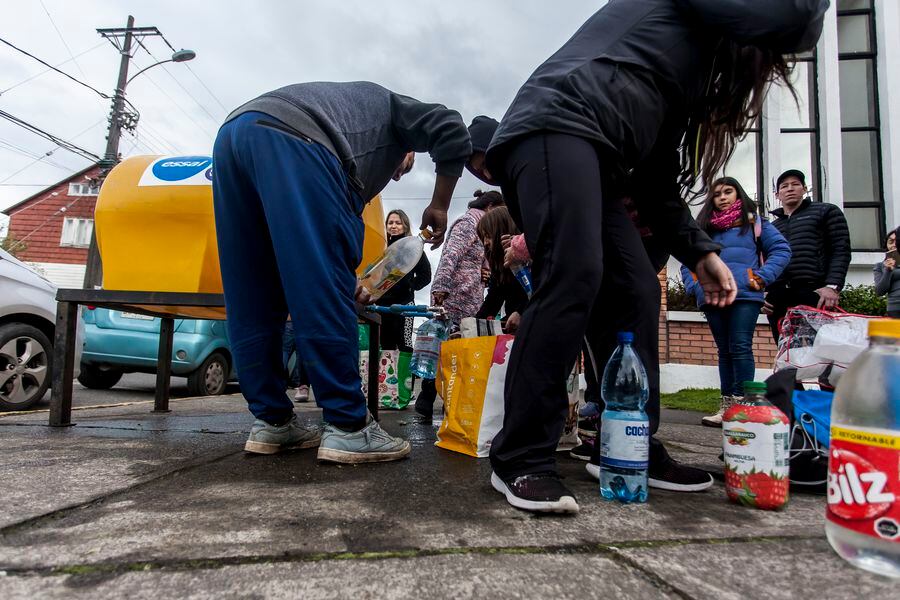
[(471, 56)]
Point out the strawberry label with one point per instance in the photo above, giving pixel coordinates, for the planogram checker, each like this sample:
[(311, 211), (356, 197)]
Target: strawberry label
[(755, 441), (864, 481)]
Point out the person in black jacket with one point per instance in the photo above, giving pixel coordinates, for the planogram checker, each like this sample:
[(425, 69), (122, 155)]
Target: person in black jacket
[(660, 90), (504, 290), (820, 244), (396, 331)]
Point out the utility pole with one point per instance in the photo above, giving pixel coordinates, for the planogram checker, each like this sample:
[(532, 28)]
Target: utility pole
[(93, 273), (122, 117)]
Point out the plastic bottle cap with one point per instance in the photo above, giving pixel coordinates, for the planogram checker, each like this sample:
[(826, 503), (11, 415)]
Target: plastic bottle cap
[(426, 235), (755, 387), (884, 328), (625, 337)]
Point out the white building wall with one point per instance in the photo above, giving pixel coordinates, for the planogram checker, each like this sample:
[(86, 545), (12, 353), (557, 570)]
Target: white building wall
[(61, 275)]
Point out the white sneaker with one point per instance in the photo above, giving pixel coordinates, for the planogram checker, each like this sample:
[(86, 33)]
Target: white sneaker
[(302, 394), (716, 419)]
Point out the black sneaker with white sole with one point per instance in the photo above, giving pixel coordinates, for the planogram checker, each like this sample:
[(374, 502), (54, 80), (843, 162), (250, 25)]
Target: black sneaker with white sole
[(669, 475), (582, 451), (541, 492)]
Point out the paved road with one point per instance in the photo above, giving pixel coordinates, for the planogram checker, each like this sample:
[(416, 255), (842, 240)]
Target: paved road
[(134, 387)]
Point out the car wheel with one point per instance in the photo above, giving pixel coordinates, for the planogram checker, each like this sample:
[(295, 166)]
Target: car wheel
[(95, 378), (211, 377), (25, 355)]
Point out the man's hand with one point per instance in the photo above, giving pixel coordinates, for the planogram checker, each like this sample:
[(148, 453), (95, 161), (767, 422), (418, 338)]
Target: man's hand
[(890, 264), (362, 295), (828, 298), (714, 276), (436, 220), (437, 298), (485, 274)]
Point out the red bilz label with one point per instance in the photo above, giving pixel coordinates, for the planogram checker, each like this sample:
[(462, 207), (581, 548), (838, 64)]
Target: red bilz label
[(864, 481)]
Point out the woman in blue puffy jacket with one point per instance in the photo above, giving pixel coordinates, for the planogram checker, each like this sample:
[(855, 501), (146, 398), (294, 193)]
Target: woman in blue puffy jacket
[(756, 253)]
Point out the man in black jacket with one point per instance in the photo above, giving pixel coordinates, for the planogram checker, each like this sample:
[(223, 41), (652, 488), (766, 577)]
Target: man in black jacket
[(820, 243)]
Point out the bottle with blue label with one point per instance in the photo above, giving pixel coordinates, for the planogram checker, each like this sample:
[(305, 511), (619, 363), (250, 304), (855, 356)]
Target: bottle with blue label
[(427, 348), (625, 427), (522, 274)]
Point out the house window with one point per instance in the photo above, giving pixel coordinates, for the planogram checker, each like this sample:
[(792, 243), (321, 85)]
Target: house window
[(83, 189), (77, 232), (745, 164), (800, 121), (860, 124)]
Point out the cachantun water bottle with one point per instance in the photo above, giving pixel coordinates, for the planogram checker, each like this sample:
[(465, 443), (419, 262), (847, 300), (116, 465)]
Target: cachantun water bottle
[(625, 428), (427, 348)]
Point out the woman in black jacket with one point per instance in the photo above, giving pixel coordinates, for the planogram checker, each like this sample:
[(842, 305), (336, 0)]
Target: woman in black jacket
[(655, 94), (396, 331), (504, 290)]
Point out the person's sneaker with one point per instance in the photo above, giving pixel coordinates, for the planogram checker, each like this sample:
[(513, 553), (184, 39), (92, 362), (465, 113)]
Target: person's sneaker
[(671, 475), (302, 394), (369, 444), (269, 439), (582, 451), (541, 492), (716, 419)]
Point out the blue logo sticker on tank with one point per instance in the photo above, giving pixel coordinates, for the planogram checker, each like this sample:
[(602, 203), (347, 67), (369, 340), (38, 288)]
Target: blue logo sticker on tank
[(178, 168)]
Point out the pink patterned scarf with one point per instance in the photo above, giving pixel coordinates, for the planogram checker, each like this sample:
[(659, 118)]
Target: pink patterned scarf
[(728, 218)]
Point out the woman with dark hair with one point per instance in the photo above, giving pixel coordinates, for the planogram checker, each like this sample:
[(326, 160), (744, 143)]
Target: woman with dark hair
[(396, 331), (887, 276), (756, 253), (655, 92), (504, 290), (458, 285)]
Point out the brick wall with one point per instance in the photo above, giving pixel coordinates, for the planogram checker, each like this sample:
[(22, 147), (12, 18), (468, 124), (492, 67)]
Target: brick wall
[(691, 343), (39, 222)]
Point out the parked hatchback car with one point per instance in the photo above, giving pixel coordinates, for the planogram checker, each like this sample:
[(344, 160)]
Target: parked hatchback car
[(27, 328), (118, 342)]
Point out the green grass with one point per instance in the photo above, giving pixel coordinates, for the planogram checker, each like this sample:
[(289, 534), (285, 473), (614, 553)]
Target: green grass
[(701, 400)]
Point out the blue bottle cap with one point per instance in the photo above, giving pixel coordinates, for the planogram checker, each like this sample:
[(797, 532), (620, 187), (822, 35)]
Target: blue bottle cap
[(625, 337)]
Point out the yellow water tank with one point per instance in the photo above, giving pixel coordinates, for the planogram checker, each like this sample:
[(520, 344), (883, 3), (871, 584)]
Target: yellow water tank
[(156, 230)]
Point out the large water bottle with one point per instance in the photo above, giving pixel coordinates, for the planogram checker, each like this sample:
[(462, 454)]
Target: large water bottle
[(863, 518), (427, 348), (625, 428), (398, 260)]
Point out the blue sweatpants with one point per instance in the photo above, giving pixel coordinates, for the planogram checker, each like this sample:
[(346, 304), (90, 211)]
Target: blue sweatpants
[(290, 238)]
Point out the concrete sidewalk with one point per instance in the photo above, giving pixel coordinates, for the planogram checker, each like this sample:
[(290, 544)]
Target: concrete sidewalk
[(132, 504)]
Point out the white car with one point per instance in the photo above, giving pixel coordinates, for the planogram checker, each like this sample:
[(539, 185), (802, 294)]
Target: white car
[(27, 326)]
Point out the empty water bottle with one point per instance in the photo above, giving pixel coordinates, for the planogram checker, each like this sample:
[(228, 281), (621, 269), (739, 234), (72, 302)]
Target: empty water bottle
[(398, 260), (625, 428), (427, 348)]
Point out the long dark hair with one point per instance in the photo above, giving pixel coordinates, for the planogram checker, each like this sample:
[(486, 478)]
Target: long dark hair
[(485, 200), (731, 103), (748, 207), (493, 226)]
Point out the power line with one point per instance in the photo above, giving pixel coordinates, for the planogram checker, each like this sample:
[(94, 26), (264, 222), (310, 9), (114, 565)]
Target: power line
[(209, 91), (56, 140), (179, 107), (46, 64), (178, 83), (62, 39), (28, 153), (38, 159), (24, 81)]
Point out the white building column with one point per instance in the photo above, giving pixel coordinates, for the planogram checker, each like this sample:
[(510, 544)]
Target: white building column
[(830, 147), (887, 32)]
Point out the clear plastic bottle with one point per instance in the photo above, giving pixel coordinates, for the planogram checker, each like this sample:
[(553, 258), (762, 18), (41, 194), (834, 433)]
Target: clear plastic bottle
[(625, 428), (863, 518), (398, 260), (427, 348)]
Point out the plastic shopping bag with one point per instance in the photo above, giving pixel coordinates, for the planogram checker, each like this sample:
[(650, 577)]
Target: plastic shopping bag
[(471, 379), (394, 380)]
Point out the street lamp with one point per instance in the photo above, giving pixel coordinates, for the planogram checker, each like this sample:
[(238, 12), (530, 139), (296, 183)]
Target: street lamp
[(179, 56)]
